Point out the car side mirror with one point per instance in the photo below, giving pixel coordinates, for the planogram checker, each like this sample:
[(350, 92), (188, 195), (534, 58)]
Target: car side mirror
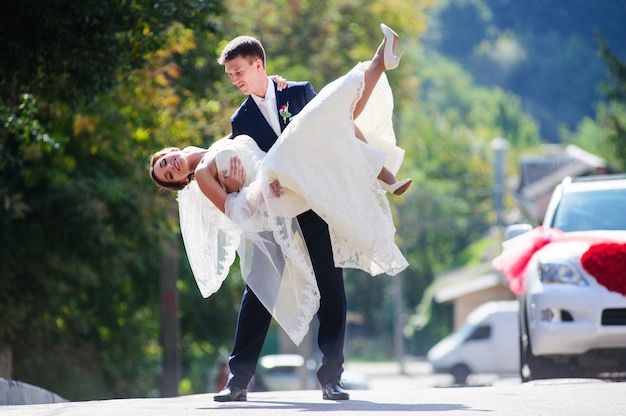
[(514, 230)]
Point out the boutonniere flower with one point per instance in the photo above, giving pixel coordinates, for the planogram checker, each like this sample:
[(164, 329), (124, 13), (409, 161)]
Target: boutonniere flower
[(284, 112)]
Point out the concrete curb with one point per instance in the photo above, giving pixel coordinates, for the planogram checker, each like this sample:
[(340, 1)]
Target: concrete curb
[(15, 392)]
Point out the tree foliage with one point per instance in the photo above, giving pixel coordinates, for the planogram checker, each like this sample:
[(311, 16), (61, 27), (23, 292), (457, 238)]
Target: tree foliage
[(80, 229), (104, 84), (68, 51), (615, 91), (605, 134), (446, 123), (544, 51)]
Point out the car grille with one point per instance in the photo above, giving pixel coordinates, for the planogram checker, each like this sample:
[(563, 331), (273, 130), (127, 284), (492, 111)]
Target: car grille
[(614, 316)]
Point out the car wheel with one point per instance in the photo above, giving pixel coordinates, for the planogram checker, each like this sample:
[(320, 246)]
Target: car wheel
[(460, 372), (523, 343), (533, 367)]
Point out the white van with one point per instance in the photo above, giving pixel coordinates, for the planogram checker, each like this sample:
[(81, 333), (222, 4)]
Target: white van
[(487, 343)]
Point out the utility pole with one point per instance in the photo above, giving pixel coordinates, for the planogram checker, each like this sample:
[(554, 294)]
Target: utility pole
[(400, 319), (499, 146)]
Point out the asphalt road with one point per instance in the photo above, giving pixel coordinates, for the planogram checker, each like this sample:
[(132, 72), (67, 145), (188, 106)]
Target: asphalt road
[(570, 398), (392, 392)]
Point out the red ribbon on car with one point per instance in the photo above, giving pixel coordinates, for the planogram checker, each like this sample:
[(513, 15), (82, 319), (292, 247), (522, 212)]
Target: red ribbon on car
[(518, 251)]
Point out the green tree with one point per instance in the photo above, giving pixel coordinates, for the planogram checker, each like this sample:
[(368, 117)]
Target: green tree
[(81, 229), (542, 50), (605, 134), (78, 198), (448, 143), (615, 92), (69, 51), (84, 230)]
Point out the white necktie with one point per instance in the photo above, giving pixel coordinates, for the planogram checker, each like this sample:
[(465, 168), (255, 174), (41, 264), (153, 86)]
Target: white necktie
[(272, 115)]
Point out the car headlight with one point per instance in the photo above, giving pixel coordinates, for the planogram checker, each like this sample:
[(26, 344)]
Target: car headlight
[(564, 271)]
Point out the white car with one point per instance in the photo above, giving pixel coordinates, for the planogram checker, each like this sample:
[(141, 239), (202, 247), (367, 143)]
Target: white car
[(570, 325), (281, 372)]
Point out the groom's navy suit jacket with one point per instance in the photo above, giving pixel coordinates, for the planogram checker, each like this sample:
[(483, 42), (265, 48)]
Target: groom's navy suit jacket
[(253, 321), (249, 120)]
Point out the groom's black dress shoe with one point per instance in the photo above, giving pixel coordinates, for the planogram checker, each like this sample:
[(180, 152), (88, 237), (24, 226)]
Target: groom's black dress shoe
[(231, 394), (334, 391)]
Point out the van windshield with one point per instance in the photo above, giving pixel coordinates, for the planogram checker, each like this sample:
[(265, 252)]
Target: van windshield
[(461, 334)]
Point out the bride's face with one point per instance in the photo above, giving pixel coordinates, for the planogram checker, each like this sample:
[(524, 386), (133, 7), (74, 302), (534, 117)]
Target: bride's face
[(172, 167)]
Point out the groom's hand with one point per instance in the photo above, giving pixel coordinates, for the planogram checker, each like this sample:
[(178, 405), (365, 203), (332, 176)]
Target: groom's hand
[(234, 178), (276, 189)]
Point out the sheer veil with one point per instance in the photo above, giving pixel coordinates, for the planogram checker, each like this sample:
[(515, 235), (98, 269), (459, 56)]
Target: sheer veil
[(274, 260), (210, 239)]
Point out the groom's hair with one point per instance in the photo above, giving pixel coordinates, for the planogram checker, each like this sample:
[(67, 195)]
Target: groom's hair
[(244, 46)]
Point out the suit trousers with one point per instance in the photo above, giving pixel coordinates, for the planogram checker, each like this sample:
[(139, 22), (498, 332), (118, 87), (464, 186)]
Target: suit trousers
[(253, 320)]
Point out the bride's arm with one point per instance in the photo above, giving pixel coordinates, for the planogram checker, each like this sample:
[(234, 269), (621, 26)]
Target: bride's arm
[(207, 176), (237, 206), (210, 187)]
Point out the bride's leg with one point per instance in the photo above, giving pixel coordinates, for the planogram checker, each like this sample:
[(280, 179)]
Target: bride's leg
[(375, 69), (388, 180), (371, 76), (386, 176)]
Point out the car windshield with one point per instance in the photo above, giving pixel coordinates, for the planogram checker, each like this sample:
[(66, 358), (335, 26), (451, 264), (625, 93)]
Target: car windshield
[(591, 210)]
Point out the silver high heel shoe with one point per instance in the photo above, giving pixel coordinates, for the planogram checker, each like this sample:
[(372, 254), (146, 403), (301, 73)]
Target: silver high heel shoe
[(397, 188), (391, 59)]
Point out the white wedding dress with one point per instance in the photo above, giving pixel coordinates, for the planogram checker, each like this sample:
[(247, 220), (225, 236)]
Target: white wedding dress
[(320, 165)]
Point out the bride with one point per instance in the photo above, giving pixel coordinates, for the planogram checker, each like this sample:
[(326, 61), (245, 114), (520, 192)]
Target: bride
[(322, 161)]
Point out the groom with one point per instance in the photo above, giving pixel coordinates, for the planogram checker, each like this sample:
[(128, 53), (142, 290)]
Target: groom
[(263, 116)]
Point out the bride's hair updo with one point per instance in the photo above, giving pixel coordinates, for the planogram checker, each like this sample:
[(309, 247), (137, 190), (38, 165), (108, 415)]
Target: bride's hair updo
[(245, 46), (172, 186)]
